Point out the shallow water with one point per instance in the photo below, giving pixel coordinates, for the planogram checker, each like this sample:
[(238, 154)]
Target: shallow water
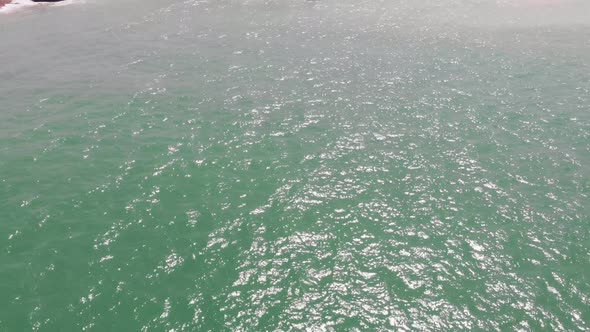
[(295, 165)]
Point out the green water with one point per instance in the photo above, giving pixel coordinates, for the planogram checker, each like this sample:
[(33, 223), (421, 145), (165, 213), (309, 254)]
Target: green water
[(295, 165)]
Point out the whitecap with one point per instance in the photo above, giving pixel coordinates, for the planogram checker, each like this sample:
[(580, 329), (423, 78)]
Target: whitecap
[(19, 5)]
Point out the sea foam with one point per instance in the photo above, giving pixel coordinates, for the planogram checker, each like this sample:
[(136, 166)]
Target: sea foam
[(21, 5)]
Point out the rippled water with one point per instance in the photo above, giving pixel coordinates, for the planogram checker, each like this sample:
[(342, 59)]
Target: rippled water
[(295, 165)]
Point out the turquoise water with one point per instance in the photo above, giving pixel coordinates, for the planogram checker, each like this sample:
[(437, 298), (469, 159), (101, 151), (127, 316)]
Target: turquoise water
[(295, 165)]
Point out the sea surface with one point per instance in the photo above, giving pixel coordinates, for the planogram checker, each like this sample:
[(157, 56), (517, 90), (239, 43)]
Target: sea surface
[(295, 165)]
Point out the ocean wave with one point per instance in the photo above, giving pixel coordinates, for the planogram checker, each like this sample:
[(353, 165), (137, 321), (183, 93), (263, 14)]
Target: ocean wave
[(19, 5)]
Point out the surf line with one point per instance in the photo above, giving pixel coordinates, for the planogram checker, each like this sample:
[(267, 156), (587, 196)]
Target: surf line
[(6, 2)]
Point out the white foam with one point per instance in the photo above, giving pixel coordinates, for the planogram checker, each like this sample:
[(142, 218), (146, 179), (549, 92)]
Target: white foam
[(20, 5), (16, 6)]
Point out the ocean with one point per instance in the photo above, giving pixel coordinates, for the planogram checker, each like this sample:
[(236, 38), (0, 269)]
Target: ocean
[(295, 165)]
